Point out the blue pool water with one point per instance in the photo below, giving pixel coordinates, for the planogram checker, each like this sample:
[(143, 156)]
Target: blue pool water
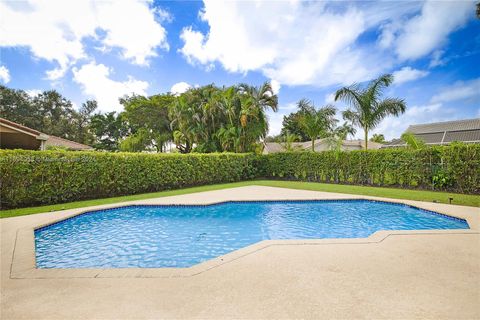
[(181, 236)]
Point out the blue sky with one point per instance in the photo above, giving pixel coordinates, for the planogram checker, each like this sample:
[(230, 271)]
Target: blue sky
[(103, 50)]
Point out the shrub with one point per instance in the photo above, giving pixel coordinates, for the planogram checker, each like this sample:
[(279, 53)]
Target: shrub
[(454, 168), (47, 177)]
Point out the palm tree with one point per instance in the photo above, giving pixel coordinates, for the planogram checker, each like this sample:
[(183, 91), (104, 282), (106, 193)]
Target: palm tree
[(255, 101), (412, 141), (317, 123), (287, 142), (261, 97), (181, 125), (338, 135), (210, 119), (378, 138), (229, 106), (367, 107)]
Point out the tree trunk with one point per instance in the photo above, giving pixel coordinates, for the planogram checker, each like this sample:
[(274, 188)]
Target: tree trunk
[(313, 145), (365, 175), (366, 139)]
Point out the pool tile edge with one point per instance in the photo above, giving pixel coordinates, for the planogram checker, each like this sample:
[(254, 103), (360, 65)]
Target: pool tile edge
[(23, 264), (23, 260)]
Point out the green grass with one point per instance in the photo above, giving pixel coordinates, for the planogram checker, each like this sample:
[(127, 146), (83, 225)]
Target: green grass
[(395, 193), (420, 195)]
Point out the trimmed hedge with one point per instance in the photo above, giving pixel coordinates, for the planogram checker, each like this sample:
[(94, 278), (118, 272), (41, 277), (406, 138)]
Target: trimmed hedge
[(450, 168), (46, 177), (31, 178)]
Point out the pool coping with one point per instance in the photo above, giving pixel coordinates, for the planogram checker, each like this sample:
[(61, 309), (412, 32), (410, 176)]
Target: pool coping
[(23, 264)]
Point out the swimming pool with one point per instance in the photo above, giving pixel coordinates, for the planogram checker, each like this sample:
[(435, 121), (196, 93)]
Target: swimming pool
[(182, 236)]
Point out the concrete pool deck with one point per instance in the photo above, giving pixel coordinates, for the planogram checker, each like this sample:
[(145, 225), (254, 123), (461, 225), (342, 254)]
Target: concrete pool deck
[(391, 274)]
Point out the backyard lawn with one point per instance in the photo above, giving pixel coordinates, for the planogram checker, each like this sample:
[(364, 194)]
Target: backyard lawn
[(441, 197)]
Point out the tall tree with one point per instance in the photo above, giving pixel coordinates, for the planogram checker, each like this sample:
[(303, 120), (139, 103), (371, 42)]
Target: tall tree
[(317, 123), (255, 101), (109, 130), (182, 115), (338, 135), (292, 123), (82, 122), (148, 118), (137, 142), (16, 106), (57, 114), (367, 109), (210, 119), (378, 138), (48, 112), (230, 131)]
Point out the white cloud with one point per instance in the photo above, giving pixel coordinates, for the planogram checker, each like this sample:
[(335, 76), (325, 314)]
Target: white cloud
[(57, 73), (274, 123), (408, 74), (33, 92), (430, 29), (393, 127), (275, 118), (316, 43), (461, 90), (275, 86), (437, 59), (54, 29), (96, 82), (294, 43), (388, 35), (4, 74), (330, 98), (180, 87), (437, 110)]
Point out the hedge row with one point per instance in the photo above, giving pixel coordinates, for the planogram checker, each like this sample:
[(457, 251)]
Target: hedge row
[(46, 177), (453, 168)]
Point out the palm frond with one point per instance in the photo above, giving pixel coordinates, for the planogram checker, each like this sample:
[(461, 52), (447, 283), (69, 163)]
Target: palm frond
[(412, 141), (344, 130), (386, 107), (305, 105), (353, 116), (328, 110), (376, 87), (351, 95)]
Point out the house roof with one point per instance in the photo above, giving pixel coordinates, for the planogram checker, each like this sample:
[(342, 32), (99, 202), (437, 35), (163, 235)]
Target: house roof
[(465, 135), (443, 132), (60, 142), (50, 140), (395, 143), (273, 147), (361, 143), (19, 127), (458, 125)]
